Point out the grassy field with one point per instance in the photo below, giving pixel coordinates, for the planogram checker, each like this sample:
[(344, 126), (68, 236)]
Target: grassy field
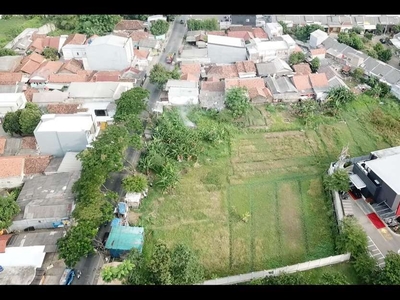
[(259, 203), (10, 28)]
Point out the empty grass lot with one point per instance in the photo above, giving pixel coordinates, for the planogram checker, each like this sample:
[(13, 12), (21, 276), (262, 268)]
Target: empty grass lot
[(258, 203)]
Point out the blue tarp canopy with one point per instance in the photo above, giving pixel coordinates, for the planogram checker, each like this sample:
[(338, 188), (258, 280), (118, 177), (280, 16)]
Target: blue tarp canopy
[(116, 222), (122, 208), (125, 238)]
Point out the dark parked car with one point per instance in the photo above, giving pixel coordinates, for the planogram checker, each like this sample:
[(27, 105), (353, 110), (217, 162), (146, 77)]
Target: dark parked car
[(382, 40)]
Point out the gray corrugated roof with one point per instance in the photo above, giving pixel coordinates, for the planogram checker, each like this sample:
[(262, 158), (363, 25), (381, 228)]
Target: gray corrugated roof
[(280, 85), (329, 43), (382, 69), (211, 99), (393, 76), (370, 64), (273, 67), (148, 43), (47, 238)]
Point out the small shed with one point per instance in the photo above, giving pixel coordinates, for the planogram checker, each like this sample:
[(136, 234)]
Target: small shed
[(116, 222), (133, 199), (124, 238)]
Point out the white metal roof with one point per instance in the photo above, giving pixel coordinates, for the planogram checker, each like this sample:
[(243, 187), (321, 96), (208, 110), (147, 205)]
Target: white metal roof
[(386, 152), (319, 34), (17, 275), (70, 163), (396, 43), (32, 256), (387, 169), (104, 89), (357, 181), (66, 123), (111, 39), (225, 40), (49, 97)]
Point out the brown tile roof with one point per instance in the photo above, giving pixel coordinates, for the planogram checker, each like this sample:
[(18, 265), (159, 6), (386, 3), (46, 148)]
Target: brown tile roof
[(223, 71), (246, 66), (36, 164), (213, 86), (260, 33), (191, 68), (129, 25), (3, 142), (302, 69), (67, 78), (75, 39), (297, 49), (91, 38), (46, 69), (301, 82), (121, 33), (71, 66), (256, 82), (217, 32), (9, 78), (318, 80), (106, 76), (256, 91), (30, 63), (3, 241), (40, 43), (62, 108), (190, 77), (246, 35), (318, 51), (241, 28), (29, 93), (141, 54), (136, 36), (11, 166), (28, 142)]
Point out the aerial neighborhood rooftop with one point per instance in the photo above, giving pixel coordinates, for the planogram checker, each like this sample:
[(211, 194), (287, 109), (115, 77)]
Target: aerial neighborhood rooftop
[(239, 141)]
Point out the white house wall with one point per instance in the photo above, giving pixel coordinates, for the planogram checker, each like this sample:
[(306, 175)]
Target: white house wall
[(225, 54), (74, 51), (11, 182), (108, 57)]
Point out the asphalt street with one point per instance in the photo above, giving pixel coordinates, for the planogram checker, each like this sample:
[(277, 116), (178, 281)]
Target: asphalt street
[(90, 266)]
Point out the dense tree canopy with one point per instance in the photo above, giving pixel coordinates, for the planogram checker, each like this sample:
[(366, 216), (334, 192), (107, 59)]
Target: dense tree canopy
[(159, 27), (206, 24), (159, 75), (8, 209), (22, 121), (237, 101)]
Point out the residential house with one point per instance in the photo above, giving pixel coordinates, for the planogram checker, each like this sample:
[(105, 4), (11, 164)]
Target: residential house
[(154, 18), (10, 102), (109, 76), (133, 75), (74, 47), (247, 36), (273, 30), (30, 63), (12, 88), (263, 51), (257, 91), (212, 95), (244, 20), (62, 81), (220, 71), (194, 56), (190, 71), (129, 26), (71, 66), (46, 202), (302, 69), (320, 85), (109, 53), (141, 59), (333, 77), (137, 36), (246, 69), (317, 53), (182, 92), (303, 85), (192, 36), (274, 68), (122, 239), (69, 163), (149, 44), (39, 78), (98, 91), (57, 134), (223, 49), (260, 33), (376, 178), (282, 89), (10, 63), (45, 98), (396, 40), (317, 37), (10, 78), (11, 171), (41, 43)]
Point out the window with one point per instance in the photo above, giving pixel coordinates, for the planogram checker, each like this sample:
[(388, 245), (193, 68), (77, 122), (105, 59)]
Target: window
[(247, 20), (100, 112)]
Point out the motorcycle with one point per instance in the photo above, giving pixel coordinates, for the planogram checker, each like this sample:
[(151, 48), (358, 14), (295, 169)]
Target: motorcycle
[(78, 274)]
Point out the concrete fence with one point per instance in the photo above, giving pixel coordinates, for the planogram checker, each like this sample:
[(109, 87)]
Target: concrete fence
[(332, 260)]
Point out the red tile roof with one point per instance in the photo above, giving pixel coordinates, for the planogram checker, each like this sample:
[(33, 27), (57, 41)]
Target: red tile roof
[(62, 108), (217, 32), (191, 68), (136, 36), (46, 69), (302, 82), (40, 43), (246, 66), (3, 142), (190, 77), (302, 69), (213, 86), (67, 78), (30, 63), (141, 54), (297, 49), (75, 39), (28, 142), (36, 164), (223, 71), (8, 78), (71, 66), (106, 76), (246, 35), (3, 242), (260, 33), (318, 51), (256, 82), (241, 28), (130, 25), (11, 166), (318, 80)]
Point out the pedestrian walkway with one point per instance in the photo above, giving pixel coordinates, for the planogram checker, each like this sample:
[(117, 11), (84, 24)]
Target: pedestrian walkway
[(376, 253)]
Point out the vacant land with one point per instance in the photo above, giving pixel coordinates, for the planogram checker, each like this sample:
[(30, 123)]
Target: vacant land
[(258, 203), (10, 28)]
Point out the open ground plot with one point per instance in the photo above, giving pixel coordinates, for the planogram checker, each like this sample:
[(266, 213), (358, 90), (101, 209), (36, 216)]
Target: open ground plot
[(259, 203), (10, 28)]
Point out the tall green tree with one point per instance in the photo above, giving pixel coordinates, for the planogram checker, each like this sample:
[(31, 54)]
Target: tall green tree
[(390, 274), (296, 58), (302, 33), (97, 24), (11, 122), (30, 118), (237, 101), (159, 75), (77, 243), (50, 53), (131, 102), (159, 266), (159, 27), (315, 64), (352, 238), (119, 272), (9, 208), (65, 22), (135, 184), (185, 266), (338, 181)]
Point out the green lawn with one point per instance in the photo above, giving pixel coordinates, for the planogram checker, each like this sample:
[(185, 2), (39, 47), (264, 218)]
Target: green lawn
[(258, 203)]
